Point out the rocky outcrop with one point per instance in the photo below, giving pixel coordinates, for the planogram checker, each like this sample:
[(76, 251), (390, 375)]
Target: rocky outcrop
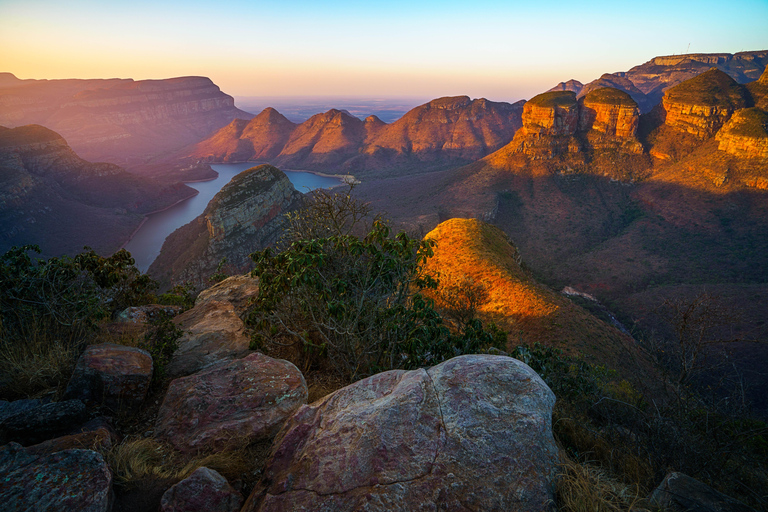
[(746, 134), (620, 82), (42, 421), (759, 91), (113, 376), (445, 130), (610, 118), (67, 480), (246, 215), (51, 197), (550, 121), (473, 433), (571, 85), (703, 104), (237, 290), (230, 404), (122, 121)]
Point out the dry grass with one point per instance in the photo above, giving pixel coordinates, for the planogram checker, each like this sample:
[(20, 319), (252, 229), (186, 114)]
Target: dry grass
[(587, 488)]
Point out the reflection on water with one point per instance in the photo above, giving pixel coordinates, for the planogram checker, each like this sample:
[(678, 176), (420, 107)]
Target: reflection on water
[(146, 243)]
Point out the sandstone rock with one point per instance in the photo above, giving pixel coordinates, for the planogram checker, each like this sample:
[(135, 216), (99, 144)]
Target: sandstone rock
[(746, 134), (702, 105), (144, 314), (204, 490), (549, 122), (113, 376), (473, 433), (681, 493), (237, 290), (213, 332), (8, 409), (238, 400), (43, 422), (68, 480), (611, 112)]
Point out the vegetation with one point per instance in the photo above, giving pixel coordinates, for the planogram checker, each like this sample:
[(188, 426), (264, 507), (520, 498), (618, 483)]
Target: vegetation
[(749, 122), (712, 88), (610, 96), (554, 99)]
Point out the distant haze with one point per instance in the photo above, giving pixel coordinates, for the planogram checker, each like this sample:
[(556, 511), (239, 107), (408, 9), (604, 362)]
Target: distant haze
[(301, 108), (502, 50)]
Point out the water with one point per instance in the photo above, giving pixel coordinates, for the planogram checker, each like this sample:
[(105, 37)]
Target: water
[(146, 243)]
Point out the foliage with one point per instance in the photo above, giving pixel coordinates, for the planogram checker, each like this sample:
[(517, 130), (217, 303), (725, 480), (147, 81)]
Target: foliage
[(183, 295), (356, 301), (220, 274), (161, 342)]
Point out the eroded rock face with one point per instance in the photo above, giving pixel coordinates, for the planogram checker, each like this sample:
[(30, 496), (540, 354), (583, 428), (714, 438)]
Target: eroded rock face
[(549, 122), (113, 376), (229, 403), (237, 290), (204, 490), (703, 104), (746, 134), (611, 112), (473, 433), (67, 480), (213, 332)]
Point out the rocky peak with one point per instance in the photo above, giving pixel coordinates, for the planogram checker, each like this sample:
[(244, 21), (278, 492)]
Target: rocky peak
[(701, 105), (553, 113), (746, 134), (449, 102), (570, 85), (609, 111), (622, 83)]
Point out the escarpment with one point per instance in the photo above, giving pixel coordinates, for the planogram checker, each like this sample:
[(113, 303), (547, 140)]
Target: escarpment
[(246, 215), (746, 134)]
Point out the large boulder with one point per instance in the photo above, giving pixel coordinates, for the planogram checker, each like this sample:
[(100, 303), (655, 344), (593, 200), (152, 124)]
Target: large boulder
[(473, 433), (679, 492), (140, 315), (229, 403), (68, 480), (213, 332), (113, 376), (204, 490), (237, 290)]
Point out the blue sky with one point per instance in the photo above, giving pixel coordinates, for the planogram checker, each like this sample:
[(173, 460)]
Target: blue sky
[(498, 50)]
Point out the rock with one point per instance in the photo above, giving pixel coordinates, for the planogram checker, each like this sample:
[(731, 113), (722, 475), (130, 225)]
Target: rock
[(91, 440), (68, 480), (237, 290), (681, 493), (147, 313), (701, 105), (113, 376), (473, 433), (746, 134), (244, 399), (571, 85), (213, 332), (34, 425), (611, 112), (549, 122), (204, 490), (8, 409)]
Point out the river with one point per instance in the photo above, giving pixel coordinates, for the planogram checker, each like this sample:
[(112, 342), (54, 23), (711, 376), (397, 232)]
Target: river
[(146, 243)]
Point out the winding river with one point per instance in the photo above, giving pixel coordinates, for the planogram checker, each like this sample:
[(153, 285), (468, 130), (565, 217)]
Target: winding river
[(145, 244)]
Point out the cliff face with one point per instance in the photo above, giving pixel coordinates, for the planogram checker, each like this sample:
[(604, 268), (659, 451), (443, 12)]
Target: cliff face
[(122, 121), (622, 83), (701, 105), (746, 134), (554, 123), (442, 131), (246, 215), (51, 197)]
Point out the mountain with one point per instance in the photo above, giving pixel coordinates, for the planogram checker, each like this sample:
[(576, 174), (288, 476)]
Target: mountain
[(445, 131), (244, 216), (51, 197), (119, 120), (647, 82)]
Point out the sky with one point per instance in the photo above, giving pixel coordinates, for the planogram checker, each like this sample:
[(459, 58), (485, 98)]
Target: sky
[(500, 50)]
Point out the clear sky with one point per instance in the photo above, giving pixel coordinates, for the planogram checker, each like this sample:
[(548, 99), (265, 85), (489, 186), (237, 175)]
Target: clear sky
[(500, 50)]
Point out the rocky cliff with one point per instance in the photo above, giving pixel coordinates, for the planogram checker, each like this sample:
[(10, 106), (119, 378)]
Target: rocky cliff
[(701, 105), (746, 134), (610, 118), (443, 131), (246, 215), (622, 83), (570, 85), (51, 197), (549, 122), (122, 121)]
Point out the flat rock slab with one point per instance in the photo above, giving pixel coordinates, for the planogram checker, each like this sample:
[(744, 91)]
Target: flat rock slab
[(473, 433), (229, 403), (68, 480), (204, 490), (213, 332), (144, 314), (113, 376), (679, 492), (237, 290)]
